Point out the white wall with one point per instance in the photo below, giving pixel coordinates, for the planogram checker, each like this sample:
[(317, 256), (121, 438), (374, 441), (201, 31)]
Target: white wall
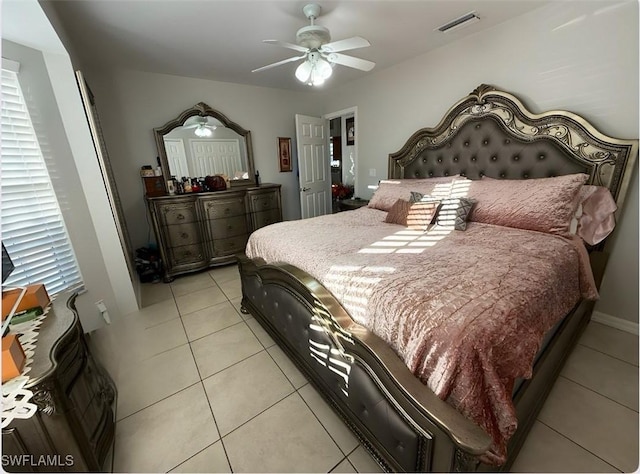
[(131, 103), (47, 80), (577, 56)]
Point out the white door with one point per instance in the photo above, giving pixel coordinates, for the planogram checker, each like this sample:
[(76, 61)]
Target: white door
[(177, 157), (313, 166), (215, 156)]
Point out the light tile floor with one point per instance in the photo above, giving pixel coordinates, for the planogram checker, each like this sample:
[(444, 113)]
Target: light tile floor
[(203, 388)]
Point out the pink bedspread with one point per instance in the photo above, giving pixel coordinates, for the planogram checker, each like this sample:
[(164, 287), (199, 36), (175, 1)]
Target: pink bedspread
[(466, 311)]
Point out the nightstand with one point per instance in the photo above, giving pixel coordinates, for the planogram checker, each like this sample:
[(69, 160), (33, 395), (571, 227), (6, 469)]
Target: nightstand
[(351, 204)]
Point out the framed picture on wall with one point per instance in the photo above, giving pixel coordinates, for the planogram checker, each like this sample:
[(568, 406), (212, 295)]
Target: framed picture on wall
[(351, 131), (284, 154)]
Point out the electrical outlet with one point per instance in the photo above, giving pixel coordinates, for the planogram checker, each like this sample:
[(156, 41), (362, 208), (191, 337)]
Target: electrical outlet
[(101, 306), (103, 311)]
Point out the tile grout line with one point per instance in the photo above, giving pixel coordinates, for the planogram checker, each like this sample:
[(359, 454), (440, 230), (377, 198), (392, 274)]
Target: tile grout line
[(200, 381), (320, 421), (607, 354), (246, 358), (219, 330), (224, 449), (297, 390), (193, 456), (577, 444), (158, 401), (598, 393), (258, 414)]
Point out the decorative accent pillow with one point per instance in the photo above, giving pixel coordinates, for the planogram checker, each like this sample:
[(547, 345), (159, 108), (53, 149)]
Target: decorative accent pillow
[(398, 213), (390, 190), (453, 211), (543, 204), (414, 215), (594, 218)]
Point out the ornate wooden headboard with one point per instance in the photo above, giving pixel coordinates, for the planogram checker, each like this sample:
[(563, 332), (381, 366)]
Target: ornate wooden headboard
[(492, 133)]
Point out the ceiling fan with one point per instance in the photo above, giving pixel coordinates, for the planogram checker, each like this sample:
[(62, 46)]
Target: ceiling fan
[(203, 126), (319, 53)]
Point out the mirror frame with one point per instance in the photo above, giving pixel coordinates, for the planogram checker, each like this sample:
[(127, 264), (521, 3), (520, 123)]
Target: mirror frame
[(203, 110)]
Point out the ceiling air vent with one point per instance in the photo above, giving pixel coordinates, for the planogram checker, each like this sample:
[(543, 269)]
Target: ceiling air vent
[(461, 22)]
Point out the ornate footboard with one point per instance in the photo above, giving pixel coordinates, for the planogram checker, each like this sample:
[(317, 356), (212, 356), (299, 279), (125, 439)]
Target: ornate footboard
[(402, 423)]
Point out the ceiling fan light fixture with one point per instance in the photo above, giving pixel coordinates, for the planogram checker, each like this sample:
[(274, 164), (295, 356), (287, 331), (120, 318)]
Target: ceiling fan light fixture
[(202, 131), (324, 68), (303, 72), (314, 71)]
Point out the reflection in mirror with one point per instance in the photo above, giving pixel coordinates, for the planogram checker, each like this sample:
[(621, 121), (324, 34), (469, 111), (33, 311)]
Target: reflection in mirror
[(203, 146), (203, 142)]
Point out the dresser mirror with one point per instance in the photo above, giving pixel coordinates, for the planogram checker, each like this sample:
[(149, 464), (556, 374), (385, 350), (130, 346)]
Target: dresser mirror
[(201, 142)]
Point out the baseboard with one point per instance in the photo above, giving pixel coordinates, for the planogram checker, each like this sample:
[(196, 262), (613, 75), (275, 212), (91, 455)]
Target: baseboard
[(618, 323)]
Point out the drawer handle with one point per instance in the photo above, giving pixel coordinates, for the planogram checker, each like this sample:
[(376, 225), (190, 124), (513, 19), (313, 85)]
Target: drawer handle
[(229, 227), (180, 217), (184, 235), (187, 253)]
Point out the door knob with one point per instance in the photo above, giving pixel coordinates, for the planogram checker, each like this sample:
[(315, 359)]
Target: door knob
[(305, 189)]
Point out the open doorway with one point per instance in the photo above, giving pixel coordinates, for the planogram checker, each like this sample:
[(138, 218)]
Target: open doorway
[(342, 155)]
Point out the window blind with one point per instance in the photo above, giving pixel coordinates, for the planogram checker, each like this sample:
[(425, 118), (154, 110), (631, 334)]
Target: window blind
[(33, 230)]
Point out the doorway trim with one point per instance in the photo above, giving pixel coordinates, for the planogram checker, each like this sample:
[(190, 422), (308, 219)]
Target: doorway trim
[(342, 114)]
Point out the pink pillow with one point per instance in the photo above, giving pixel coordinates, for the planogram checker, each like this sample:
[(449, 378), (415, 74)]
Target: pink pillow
[(414, 215), (594, 218), (543, 204), (390, 190)]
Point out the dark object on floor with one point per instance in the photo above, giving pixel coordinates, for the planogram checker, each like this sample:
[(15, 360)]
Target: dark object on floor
[(148, 265)]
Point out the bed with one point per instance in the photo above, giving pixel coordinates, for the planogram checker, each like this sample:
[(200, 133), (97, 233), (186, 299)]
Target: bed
[(436, 345)]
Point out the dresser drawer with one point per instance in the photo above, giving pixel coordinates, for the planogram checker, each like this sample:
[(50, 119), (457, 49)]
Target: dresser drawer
[(265, 218), (231, 227), (178, 213), (183, 234), (223, 247), (219, 208), (264, 201), (185, 254)]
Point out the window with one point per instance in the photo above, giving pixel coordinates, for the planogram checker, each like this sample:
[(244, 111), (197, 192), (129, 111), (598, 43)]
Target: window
[(31, 221)]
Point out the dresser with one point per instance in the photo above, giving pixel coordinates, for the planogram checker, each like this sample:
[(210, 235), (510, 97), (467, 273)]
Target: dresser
[(196, 231), (73, 429)]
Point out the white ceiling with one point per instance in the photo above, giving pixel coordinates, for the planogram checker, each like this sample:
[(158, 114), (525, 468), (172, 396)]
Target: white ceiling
[(222, 39)]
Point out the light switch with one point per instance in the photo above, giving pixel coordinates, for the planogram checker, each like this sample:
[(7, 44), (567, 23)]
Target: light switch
[(372, 172)]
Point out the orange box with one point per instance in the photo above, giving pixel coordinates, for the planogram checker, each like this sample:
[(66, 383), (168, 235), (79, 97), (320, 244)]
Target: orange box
[(12, 357), (35, 296), (9, 298)]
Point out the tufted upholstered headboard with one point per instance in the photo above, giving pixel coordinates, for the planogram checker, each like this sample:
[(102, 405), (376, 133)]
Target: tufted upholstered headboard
[(491, 133)]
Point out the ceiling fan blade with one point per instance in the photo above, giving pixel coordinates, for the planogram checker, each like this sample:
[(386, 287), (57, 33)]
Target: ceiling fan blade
[(345, 45), (284, 61), (350, 61), (284, 44)]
